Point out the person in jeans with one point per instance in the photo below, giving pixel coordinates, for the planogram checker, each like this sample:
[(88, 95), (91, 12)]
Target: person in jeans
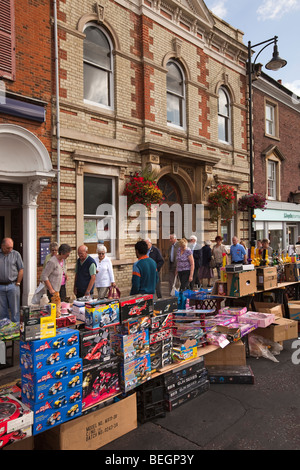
[(11, 275), (185, 264)]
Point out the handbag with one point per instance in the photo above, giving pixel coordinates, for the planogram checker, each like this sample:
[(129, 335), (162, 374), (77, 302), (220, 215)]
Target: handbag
[(173, 290), (114, 293)]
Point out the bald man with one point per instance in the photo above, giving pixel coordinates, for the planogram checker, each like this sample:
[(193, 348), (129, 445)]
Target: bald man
[(11, 275), (85, 273)]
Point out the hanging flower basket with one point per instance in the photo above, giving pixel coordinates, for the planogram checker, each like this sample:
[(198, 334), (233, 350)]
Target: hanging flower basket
[(252, 201), (220, 202), (142, 189)]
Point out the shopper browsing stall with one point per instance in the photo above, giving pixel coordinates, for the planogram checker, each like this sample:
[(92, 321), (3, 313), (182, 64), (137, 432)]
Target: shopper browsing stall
[(104, 273), (54, 272), (218, 251), (85, 273), (205, 271), (11, 275), (237, 252), (144, 271), (185, 264)]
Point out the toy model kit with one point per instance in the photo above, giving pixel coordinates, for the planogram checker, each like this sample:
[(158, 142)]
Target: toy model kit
[(135, 325), (100, 382), (135, 372), (135, 306), (95, 346), (161, 321), (16, 419), (130, 346), (165, 306), (101, 314), (37, 323)]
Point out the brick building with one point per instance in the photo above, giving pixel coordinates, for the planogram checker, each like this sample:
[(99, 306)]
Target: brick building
[(147, 84), (25, 130), (276, 119)]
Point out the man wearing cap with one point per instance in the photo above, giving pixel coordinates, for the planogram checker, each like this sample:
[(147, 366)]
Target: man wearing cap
[(11, 275)]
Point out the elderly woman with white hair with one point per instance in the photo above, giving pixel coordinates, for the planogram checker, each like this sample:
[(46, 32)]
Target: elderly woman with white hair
[(104, 273)]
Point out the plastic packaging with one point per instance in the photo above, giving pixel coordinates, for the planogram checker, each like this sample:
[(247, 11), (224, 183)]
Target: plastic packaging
[(263, 347)]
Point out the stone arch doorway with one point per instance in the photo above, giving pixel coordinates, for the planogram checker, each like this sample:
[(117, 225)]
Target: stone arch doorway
[(172, 195), (25, 169)]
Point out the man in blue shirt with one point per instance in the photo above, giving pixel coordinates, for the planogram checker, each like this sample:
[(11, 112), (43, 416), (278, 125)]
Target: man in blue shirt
[(237, 252), (144, 271)]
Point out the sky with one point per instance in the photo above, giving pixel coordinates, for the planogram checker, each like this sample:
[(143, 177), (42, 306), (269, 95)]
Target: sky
[(261, 20)]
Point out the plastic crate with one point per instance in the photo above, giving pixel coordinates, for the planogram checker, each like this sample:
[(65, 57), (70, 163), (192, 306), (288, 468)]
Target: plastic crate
[(207, 304)]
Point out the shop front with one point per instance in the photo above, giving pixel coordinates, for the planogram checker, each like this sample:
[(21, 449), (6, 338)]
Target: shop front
[(280, 223)]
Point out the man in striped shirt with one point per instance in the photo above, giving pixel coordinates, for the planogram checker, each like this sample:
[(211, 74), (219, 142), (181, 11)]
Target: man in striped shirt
[(11, 275), (144, 271)]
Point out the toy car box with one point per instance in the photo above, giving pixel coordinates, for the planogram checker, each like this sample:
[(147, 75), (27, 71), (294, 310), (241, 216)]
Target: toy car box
[(197, 390), (95, 346), (180, 354), (37, 323), (135, 372), (161, 354), (134, 306), (130, 346), (160, 321), (55, 410), (178, 374), (160, 335), (163, 306), (135, 325), (39, 386), (44, 353), (100, 382), (99, 314), (14, 415)]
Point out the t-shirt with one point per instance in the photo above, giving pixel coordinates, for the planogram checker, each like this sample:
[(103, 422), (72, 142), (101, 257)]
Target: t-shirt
[(237, 252), (144, 276), (183, 263)]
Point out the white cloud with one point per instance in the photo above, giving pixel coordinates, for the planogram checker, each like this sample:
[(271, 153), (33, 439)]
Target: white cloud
[(293, 86), (219, 8), (275, 9)]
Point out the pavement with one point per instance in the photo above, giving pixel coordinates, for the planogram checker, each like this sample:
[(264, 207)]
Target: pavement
[(264, 415)]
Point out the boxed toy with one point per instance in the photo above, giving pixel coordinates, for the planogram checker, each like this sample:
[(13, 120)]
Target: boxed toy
[(134, 306), (160, 335), (186, 384), (160, 321), (135, 372), (163, 306), (241, 283), (197, 390), (37, 323), (99, 314), (44, 353), (78, 309), (15, 416), (100, 382), (130, 346), (95, 346), (230, 375), (161, 354), (260, 319), (237, 311), (173, 376), (135, 325), (41, 385), (236, 331), (55, 410), (180, 354)]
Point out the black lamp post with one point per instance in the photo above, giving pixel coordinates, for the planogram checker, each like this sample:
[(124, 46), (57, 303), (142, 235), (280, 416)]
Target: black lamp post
[(274, 64)]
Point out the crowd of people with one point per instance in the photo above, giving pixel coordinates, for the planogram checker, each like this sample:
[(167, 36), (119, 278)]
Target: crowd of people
[(188, 262)]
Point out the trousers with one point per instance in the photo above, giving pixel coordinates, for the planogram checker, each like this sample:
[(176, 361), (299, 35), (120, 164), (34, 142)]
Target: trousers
[(10, 302)]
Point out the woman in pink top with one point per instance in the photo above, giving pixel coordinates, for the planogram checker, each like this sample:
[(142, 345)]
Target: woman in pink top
[(185, 264)]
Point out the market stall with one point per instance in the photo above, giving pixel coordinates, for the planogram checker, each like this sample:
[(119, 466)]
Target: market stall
[(91, 374)]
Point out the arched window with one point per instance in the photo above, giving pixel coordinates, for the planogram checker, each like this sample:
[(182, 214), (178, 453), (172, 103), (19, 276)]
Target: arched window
[(224, 120), (175, 95), (98, 66)]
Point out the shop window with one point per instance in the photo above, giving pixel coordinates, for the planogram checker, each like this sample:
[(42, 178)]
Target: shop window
[(224, 121), (98, 67), (99, 213), (175, 95)]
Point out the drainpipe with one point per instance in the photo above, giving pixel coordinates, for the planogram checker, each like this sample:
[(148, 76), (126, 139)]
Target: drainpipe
[(57, 119)]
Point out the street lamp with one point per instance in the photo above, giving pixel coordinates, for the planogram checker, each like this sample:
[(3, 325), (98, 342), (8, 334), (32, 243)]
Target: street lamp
[(275, 63)]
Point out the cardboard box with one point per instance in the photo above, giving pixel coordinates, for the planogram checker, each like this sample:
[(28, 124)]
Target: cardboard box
[(135, 306), (294, 309), (292, 272), (94, 430), (95, 346), (99, 314), (198, 389), (261, 319), (233, 354), (239, 284), (266, 277), (268, 307), (283, 329)]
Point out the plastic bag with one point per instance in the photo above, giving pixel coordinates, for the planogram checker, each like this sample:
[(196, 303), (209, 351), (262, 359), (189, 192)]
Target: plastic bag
[(263, 347), (38, 294), (173, 290)]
